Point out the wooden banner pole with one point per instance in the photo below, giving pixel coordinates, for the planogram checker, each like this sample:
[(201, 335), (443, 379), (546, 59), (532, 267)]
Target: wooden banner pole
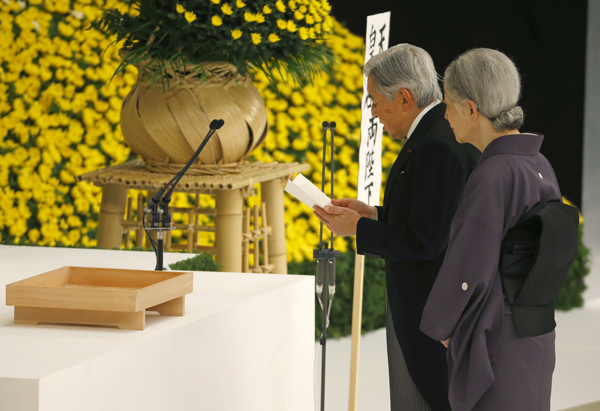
[(357, 302)]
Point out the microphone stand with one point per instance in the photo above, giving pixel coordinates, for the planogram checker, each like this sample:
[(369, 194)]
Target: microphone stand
[(158, 206), (325, 258)]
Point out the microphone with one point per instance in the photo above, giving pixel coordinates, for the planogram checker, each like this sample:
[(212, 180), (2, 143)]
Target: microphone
[(158, 206), (164, 201), (214, 126)]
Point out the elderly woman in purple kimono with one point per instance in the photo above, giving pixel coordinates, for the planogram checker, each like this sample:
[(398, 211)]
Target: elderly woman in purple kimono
[(490, 366)]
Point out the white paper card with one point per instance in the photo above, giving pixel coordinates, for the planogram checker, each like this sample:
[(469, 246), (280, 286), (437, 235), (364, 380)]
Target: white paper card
[(306, 192)]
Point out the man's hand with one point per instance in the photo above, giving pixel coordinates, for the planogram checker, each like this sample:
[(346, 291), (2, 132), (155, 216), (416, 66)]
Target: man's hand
[(361, 208), (446, 342), (340, 220)]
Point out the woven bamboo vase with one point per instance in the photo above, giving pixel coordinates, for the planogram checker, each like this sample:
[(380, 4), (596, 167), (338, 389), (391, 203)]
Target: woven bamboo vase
[(166, 126)]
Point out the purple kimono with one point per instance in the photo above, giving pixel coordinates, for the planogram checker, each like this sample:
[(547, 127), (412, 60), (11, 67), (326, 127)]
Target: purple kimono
[(489, 366)]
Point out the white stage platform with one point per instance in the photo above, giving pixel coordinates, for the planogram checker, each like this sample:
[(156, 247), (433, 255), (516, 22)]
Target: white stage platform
[(219, 356), (245, 343)]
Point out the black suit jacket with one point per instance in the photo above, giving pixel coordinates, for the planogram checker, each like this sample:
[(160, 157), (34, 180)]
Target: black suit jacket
[(411, 233)]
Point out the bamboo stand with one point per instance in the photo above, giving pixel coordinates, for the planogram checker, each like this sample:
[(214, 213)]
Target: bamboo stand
[(112, 210), (230, 188), (276, 242), (229, 221)]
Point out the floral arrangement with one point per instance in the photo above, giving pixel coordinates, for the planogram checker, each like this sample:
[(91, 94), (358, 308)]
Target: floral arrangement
[(163, 37)]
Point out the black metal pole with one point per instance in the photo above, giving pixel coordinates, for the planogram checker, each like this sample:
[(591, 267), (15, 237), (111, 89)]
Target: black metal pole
[(325, 257), (159, 250), (324, 338), (332, 128), (325, 127), (324, 270)]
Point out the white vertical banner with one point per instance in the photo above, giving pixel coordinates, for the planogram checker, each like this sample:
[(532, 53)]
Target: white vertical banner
[(371, 130)]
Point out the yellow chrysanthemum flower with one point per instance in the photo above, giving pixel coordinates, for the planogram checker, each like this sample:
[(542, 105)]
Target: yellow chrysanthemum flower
[(298, 15), (226, 9), (291, 26), (282, 24), (65, 30), (249, 17), (216, 21), (215, 1), (267, 9), (292, 5), (310, 20), (180, 9), (273, 38), (34, 235), (303, 33), (236, 34), (190, 16), (256, 38), (327, 25), (259, 17), (240, 4), (280, 6)]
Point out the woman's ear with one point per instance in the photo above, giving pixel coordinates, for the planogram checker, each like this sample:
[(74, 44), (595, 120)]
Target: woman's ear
[(472, 110)]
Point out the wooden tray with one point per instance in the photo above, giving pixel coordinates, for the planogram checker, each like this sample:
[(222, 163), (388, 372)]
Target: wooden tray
[(99, 296)]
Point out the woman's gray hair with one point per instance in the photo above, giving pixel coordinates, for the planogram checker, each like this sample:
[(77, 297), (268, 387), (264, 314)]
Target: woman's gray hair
[(491, 80), (405, 66)]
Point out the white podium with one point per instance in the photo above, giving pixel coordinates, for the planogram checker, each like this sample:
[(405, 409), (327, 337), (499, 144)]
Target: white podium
[(246, 342)]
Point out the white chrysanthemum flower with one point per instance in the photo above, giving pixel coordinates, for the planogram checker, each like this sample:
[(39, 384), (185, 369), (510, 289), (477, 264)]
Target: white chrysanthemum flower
[(79, 15)]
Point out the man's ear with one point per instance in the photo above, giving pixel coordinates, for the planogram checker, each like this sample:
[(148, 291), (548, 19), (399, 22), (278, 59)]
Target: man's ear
[(407, 99)]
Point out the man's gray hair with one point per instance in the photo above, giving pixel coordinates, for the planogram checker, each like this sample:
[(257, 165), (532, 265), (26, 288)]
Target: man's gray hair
[(491, 80), (405, 66)]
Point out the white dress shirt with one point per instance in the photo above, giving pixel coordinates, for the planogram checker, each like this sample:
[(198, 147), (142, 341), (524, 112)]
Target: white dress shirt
[(415, 123)]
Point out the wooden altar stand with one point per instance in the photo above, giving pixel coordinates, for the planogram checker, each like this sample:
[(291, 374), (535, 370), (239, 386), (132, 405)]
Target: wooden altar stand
[(230, 188)]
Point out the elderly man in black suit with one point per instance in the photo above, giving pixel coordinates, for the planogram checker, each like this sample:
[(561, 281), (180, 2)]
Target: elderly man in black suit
[(410, 231)]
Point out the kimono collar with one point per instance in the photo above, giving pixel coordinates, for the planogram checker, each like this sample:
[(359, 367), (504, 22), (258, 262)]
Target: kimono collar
[(526, 144)]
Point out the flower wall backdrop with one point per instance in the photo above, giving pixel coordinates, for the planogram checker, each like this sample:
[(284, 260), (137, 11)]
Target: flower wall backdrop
[(59, 108), (59, 118)]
